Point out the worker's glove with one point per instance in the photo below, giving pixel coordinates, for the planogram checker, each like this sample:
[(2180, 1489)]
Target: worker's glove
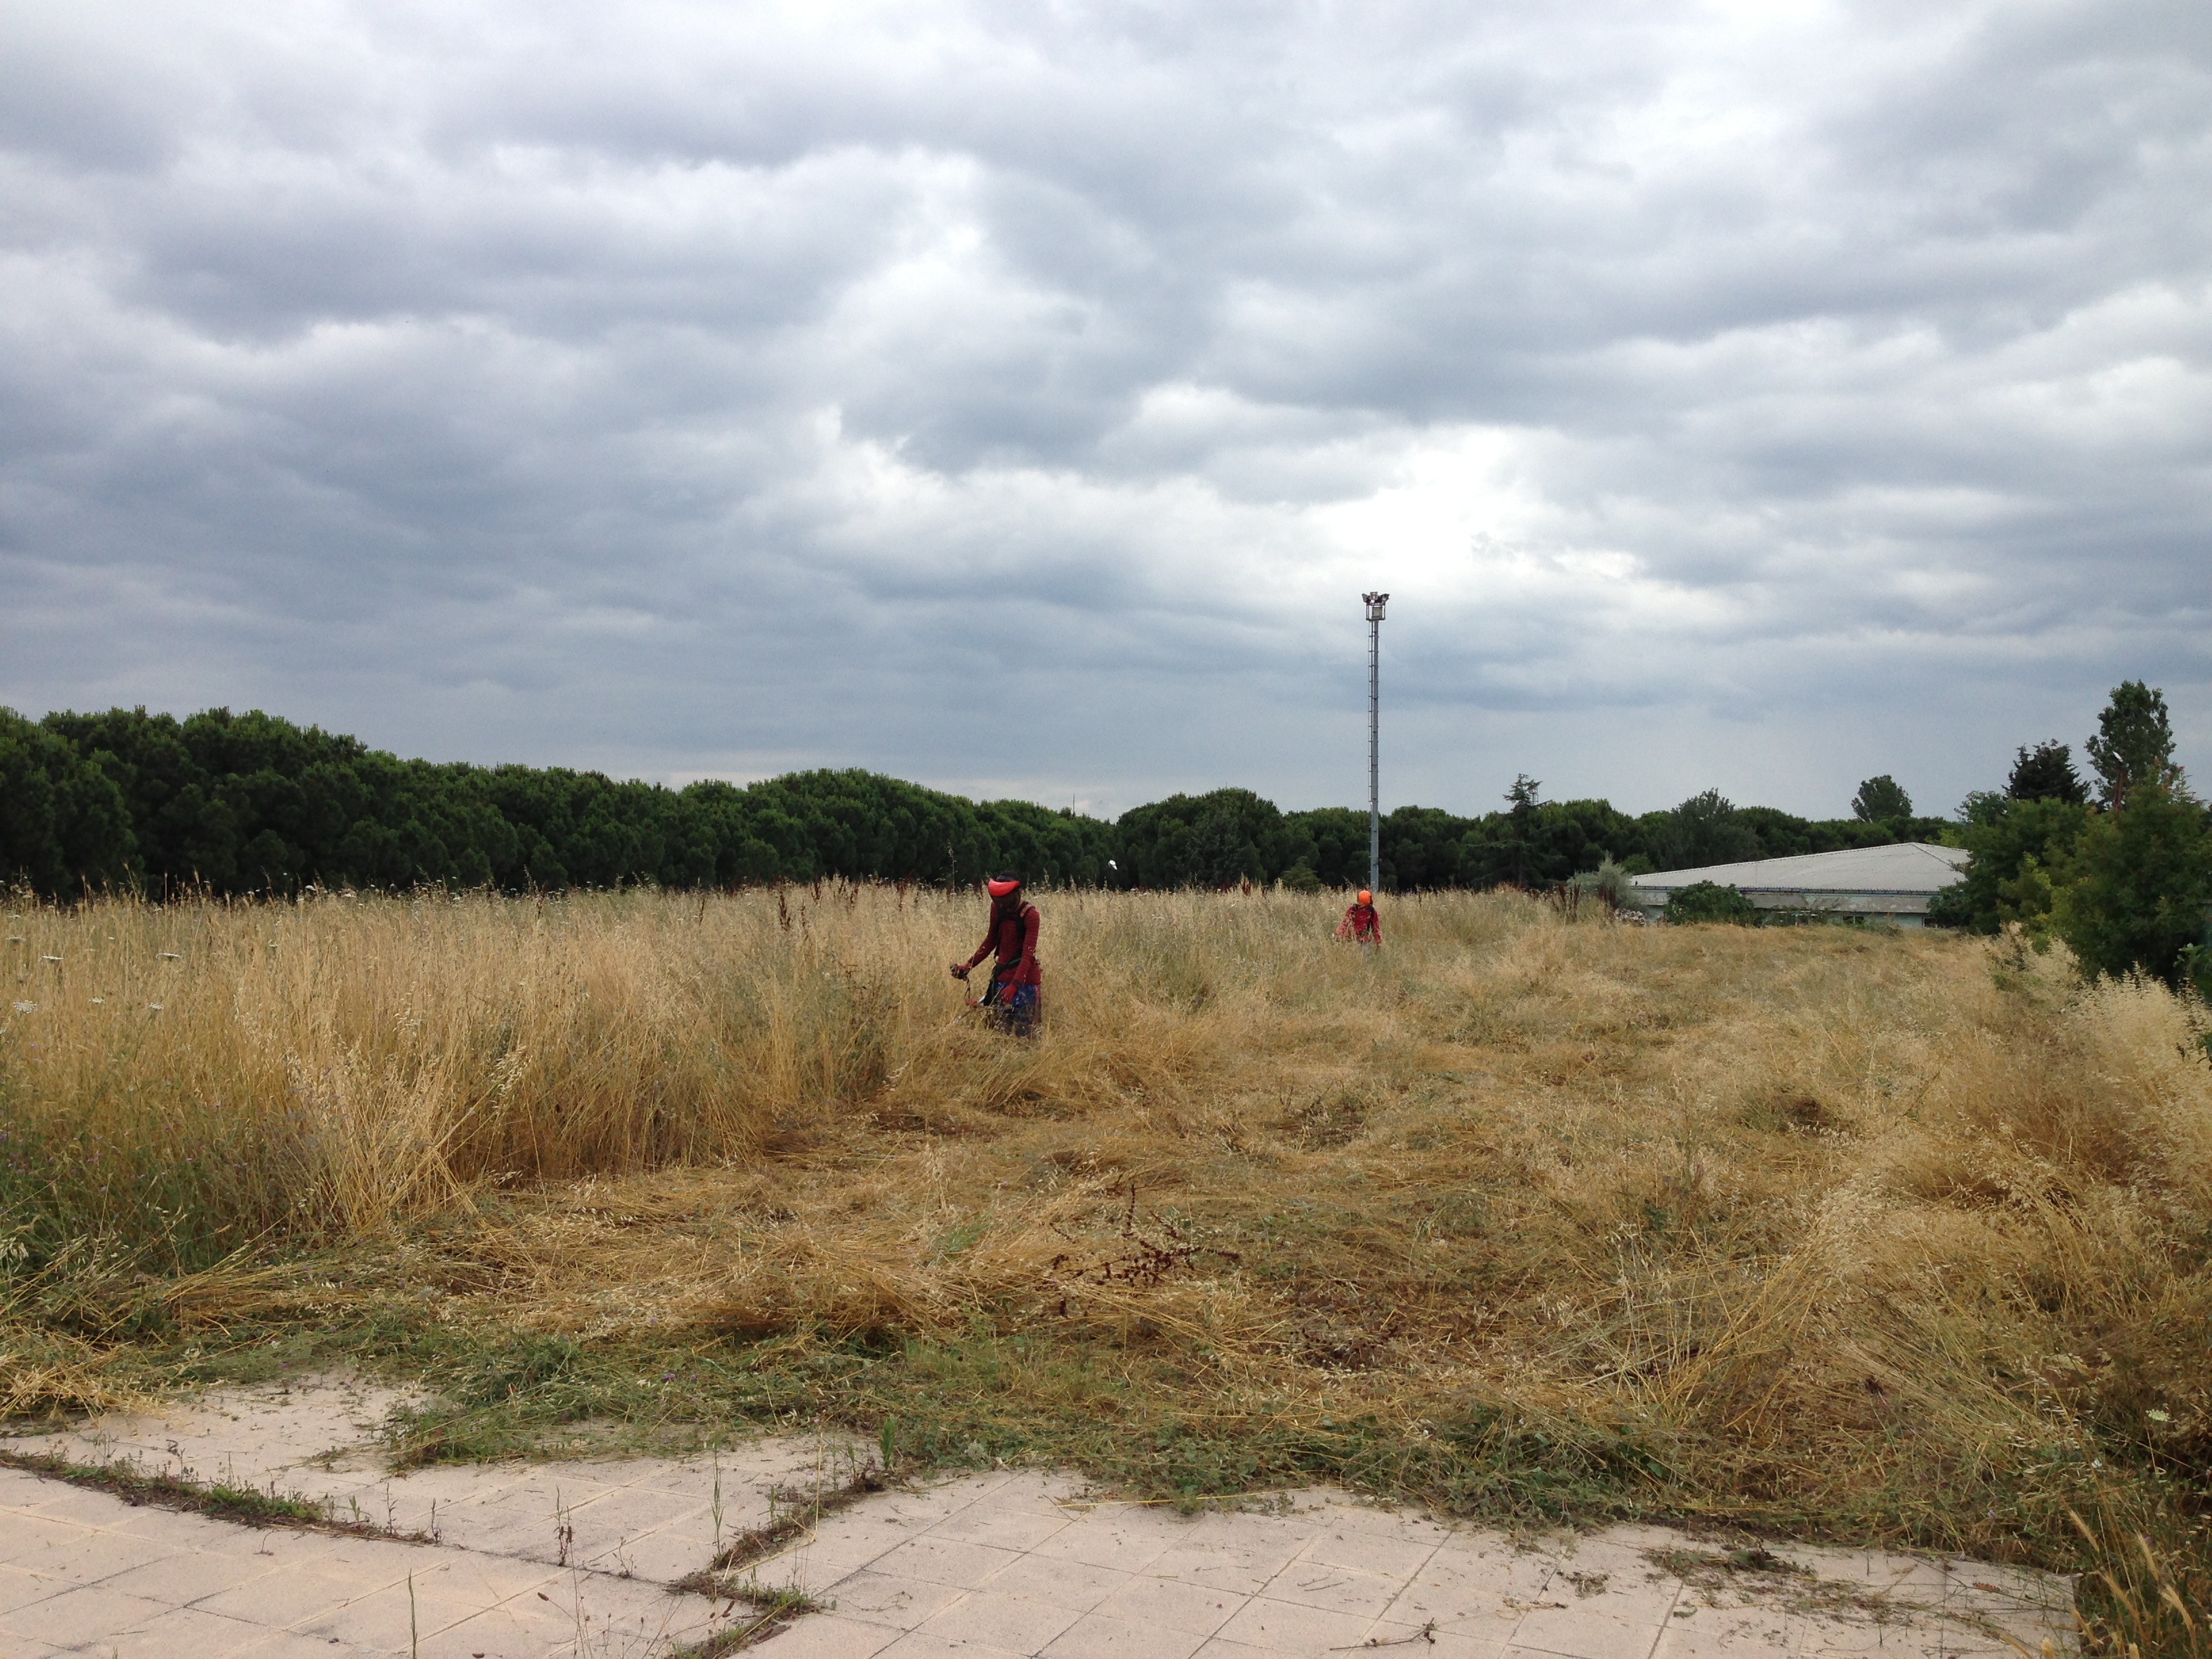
[(959, 970), (1007, 993)]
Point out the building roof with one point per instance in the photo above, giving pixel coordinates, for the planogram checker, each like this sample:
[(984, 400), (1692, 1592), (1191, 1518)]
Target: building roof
[(1911, 866)]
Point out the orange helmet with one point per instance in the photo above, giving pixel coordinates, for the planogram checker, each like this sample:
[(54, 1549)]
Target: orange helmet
[(1366, 898), (1000, 886)]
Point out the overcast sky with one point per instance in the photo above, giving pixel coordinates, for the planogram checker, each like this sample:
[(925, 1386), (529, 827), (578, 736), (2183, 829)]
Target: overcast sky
[(1017, 397)]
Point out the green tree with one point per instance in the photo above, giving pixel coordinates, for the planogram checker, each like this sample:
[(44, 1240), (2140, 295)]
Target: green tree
[(2134, 743), (1705, 829), (1420, 849), (2015, 845), (2046, 773), (1521, 811), (1213, 840), (1880, 799), (64, 821), (1332, 842), (2137, 887)]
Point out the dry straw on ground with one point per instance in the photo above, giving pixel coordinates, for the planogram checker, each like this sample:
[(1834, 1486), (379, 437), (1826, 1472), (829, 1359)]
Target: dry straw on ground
[(1897, 1236)]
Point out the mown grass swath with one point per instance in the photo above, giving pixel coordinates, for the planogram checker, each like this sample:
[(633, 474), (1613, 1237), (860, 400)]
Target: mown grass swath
[(1816, 1232)]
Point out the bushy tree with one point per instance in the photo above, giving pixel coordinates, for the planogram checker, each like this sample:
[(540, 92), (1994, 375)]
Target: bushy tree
[(2046, 773), (2139, 881), (2016, 844), (1542, 842), (1706, 900), (1213, 840), (64, 822), (1705, 829), (1610, 881), (2128, 885), (1333, 843), (1880, 799)]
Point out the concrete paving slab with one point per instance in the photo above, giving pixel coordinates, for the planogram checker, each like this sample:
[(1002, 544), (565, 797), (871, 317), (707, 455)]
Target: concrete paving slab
[(577, 1560), (885, 1599), (1439, 1644), (1096, 1636), (1069, 1584), (19, 1589), (832, 1636), (1286, 1627), (994, 1619), (1172, 1604)]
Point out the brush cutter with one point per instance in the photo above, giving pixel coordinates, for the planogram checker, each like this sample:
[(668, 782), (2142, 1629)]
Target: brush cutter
[(991, 997)]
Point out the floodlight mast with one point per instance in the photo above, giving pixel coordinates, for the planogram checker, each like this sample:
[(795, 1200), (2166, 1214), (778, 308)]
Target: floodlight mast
[(1375, 602)]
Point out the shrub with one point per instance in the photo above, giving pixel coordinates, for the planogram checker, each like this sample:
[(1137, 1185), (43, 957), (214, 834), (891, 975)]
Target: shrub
[(2138, 883), (1708, 901)]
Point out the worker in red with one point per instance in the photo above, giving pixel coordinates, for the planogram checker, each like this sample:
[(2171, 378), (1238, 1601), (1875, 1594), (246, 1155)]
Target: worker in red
[(1360, 923), (1013, 998)]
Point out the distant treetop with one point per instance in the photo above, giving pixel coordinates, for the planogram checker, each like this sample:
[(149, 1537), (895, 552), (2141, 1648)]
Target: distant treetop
[(2134, 742), (1880, 799), (2046, 773)]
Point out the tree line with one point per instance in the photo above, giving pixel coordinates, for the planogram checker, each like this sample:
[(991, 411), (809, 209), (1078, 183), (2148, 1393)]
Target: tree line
[(240, 803), (246, 804), (1231, 835)]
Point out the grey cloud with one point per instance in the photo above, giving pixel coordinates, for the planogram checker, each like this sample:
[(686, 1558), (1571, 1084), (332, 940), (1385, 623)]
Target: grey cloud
[(1006, 392)]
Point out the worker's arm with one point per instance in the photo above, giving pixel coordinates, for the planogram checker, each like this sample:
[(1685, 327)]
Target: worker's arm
[(1027, 970), (960, 968)]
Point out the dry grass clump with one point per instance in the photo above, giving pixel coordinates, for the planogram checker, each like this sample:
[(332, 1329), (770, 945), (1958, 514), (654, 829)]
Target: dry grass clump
[(1870, 1233)]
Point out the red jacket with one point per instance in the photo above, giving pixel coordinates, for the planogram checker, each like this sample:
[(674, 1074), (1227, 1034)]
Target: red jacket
[(1013, 940), (1361, 923)]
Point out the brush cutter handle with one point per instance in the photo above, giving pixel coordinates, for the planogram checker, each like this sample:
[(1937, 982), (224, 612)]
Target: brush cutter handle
[(959, 970)]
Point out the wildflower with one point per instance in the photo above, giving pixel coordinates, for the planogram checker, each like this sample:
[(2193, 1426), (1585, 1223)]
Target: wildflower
[(26, 1008), (154, 1007)]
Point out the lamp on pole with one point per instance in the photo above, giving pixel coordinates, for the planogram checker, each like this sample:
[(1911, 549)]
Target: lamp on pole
[(1375, 602)]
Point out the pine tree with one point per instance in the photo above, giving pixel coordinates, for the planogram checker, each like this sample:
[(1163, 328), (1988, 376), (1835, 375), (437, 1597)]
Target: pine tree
[(2046, 773), (1880, 799)]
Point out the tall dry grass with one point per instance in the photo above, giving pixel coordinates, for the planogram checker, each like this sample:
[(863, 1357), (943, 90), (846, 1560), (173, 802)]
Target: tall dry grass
[(1889, 1235), (197, 1074)]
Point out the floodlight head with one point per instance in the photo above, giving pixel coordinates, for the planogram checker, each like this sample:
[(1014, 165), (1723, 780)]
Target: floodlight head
[(1375, 604)]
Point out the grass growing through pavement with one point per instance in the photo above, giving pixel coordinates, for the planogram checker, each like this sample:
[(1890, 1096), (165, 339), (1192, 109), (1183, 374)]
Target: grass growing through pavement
[(1888, 1239), (223, 1499)]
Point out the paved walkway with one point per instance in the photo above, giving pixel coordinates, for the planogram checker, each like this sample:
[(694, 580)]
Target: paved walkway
[(576, 1560)]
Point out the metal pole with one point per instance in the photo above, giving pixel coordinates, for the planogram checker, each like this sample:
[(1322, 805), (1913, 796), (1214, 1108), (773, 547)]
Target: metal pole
[(1375, 602)]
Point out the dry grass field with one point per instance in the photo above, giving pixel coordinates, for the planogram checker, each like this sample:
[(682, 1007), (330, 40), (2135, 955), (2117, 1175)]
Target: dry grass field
[(1816, 1232)]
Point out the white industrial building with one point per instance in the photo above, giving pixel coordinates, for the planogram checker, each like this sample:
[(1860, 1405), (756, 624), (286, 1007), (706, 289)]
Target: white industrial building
[(1881, 884)]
